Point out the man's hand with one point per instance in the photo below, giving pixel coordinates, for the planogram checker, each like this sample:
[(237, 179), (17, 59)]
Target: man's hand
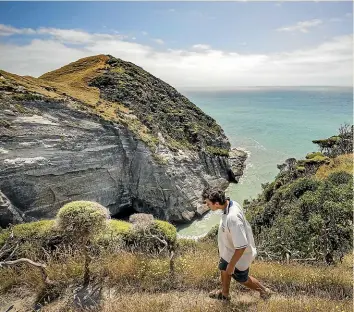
[(230, 269), (237, 255)]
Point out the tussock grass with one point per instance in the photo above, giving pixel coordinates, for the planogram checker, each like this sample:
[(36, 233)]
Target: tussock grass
[(340, 163)]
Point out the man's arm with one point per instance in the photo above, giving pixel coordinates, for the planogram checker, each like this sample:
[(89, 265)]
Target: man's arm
[(236, 256)]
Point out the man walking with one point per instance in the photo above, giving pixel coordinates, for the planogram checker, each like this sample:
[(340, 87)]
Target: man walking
[(236, 245)]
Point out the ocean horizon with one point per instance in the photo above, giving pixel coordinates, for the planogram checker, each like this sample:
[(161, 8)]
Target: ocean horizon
[(271, 124)]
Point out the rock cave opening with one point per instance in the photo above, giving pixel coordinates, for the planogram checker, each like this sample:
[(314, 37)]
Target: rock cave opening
[(124, 214)]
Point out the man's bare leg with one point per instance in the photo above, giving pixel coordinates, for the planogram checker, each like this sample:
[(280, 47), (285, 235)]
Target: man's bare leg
[(225, 281), (254, 284)]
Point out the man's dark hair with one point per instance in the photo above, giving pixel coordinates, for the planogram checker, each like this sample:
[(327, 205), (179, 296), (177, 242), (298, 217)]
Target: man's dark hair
[(214, 194)]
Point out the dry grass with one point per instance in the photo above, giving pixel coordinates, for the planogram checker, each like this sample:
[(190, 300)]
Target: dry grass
[(198, 269), (135, 282), (194, 269), (340, 163), (73, 78), (189, 301), (198, 301), (305, 304), (336, 281), (31, 84)]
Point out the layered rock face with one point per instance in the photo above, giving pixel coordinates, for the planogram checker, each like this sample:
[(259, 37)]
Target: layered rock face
[(56, 146)]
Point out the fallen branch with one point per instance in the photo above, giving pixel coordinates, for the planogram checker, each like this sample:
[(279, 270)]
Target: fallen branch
[(307, 259), (41, 266)]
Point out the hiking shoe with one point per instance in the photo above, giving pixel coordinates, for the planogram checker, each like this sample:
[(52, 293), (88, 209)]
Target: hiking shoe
[(266, 294), (217, 294)]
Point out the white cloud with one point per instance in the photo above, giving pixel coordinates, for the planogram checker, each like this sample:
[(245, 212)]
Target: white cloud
[(6, 30), (302, 26), (201, 47), (349, 14), (145, 33), (329, 63), (172, 10), (335, 20), (158, 41)]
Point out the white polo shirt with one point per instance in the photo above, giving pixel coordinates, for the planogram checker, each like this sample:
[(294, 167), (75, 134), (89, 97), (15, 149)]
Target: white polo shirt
[(235, 233)]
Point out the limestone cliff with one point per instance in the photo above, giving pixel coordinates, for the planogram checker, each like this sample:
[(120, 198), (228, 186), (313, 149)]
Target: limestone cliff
[(105, 130)]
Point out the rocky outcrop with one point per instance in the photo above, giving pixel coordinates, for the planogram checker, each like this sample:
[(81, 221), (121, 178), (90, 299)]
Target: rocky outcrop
[(56, 149), (8, 213), (237, 161)]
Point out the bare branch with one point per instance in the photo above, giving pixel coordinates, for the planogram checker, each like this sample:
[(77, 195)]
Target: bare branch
[(13, 252), (3, 249), (41, 266), (162, 241)]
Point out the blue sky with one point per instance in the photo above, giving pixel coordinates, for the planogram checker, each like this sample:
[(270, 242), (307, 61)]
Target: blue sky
[(243, 43)]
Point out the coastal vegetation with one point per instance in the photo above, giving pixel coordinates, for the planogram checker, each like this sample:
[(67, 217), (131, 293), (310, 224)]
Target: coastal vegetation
[(306, 212)]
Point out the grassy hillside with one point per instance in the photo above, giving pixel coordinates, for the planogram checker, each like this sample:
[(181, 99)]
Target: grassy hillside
[(122, 92)]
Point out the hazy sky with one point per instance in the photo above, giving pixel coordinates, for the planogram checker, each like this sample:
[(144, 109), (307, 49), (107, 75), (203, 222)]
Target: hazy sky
[(194, 45)]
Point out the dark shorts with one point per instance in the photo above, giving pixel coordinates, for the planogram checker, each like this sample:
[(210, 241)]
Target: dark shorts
[(240, 276)]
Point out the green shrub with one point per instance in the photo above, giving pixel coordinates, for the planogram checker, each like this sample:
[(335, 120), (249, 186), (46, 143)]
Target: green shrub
[(217, 151), (268, 190), (186, 244), (165, 230), (27, 97), (340, 177), (301, 186), (318, 160), (313, 155), (147, 238), (31, 238), (81, 219), (300, 168), (115, 231)]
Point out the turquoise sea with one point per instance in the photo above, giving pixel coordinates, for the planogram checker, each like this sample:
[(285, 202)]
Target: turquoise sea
[(271, 124)]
